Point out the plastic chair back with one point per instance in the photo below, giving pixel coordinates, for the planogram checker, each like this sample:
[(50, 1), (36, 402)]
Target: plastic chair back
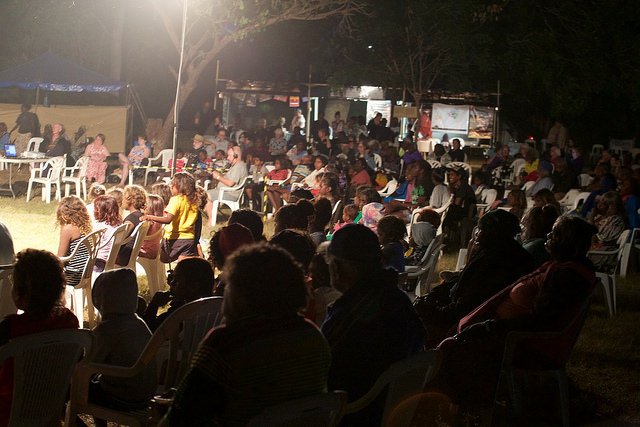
[(138, 235), (153, 267), (321, 410), (43, 365), (118, 238), (34, 144), (404, 379)]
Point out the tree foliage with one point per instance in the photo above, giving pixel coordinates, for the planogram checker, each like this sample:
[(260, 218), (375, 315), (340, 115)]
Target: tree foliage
[(414, 45), (214, 25)]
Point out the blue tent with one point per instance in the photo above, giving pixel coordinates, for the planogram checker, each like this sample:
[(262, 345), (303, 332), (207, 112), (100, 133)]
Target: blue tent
[(54, 73)]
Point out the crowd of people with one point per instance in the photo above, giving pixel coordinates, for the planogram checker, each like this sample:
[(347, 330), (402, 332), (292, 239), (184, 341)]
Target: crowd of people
[(318, 306)]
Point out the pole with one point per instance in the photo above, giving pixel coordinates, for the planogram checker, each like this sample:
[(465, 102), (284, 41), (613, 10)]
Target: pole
[(215, 94), (309, 106), (176, 105)]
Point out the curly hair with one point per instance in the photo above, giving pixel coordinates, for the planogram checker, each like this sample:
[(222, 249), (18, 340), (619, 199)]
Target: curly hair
[(135, 196), (106, 210), (96, 190), (185, 183), (391, 229), (38, 278), (72, 210), (431, 216)]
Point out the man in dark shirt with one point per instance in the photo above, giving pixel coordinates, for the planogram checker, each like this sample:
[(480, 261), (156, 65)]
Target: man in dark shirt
[(456, 154), (372, 324)]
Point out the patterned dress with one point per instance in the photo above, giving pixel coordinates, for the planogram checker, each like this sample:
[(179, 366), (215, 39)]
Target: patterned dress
[(97, 165)]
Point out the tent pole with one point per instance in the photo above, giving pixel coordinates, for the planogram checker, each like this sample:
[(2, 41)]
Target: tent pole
[(37, 98), (176, 106), (215, 93)]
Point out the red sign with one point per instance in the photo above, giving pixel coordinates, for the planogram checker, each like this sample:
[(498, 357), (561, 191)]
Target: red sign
[(294, 101)]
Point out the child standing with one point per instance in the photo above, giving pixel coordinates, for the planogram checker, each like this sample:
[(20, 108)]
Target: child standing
[(180, 215)]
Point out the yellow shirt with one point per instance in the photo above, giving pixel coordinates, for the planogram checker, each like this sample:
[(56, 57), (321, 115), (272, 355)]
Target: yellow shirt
[(184, 218), (531, 167)]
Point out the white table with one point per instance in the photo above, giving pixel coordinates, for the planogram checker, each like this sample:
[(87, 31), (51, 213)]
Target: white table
[(16, 161)]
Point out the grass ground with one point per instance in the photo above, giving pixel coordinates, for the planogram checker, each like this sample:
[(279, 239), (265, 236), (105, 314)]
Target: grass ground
[(604, 367)]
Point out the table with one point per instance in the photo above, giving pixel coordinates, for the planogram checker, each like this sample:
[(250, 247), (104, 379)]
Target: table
[(16, 161)]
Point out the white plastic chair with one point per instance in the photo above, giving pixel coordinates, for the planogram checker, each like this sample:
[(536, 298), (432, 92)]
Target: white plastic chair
[(78, 294), (76, 175), (569, 199), (434, 164), (117, 239), (137, 235), (489, 196), (627, 251), (388, 189), (377, 159), (402, 380), (233, 204), (182, 330), (319, 410), (279, 181), (7, 306), (34, 144), (423, 273), (42, 367), (584, 179), (164, 156), (155, 269), (509, 372), (48, 175), (609, 280)]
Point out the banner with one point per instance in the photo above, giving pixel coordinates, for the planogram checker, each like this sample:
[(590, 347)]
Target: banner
[(294, 101), (374, 107), (450, 118), (480, 122), (281, 98)]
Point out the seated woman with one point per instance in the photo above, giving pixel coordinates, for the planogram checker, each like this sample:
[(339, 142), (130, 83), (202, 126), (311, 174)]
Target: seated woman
[(536, 224), (541, 301), (73, 219), (496, 260), (38, 286), (138, 156), (97, 153), (610, 218), (320, 220), (265, 354)]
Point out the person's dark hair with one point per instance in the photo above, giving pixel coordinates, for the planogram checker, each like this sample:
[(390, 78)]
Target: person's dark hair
[(391, 229), (249, 219), (519, 199), (163, 190), (38, 278), (613, 202), (538, 222), (100, 135), (321, 214), (293, 216), (323, 159), (186, 185), (499, 226), (430, 216), (106, 210), (571, 238), (330, 179), (547, 198), (299, 245), (198, 278), (367, 194), (266, 280)]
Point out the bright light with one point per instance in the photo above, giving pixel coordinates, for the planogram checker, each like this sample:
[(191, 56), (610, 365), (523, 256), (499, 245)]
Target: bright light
[(369, 47)]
